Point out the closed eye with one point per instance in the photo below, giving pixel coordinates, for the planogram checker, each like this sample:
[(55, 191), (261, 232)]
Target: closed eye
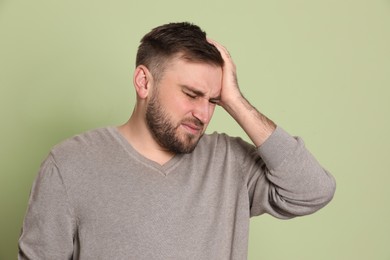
[(194, 94), (190, 95), (214, 101)]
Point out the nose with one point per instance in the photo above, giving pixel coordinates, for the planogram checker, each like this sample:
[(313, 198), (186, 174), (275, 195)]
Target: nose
[(203, 110)]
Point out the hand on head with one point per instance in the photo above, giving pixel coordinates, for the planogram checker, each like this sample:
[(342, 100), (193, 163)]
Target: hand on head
[(230, 90)]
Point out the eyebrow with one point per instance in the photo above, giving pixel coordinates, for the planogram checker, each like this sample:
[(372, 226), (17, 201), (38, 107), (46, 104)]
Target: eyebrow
[(200, 93)]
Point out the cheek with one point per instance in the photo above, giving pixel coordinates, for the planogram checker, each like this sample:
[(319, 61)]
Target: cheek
[(178, 107), (181, 105)]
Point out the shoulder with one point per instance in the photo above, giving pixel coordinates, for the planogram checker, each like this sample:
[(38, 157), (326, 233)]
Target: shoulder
[(84, 145), (230, 156), (224, 143), (90, 138)]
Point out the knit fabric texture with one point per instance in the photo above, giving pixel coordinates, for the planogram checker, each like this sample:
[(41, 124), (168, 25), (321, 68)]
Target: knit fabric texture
[(96, 197)]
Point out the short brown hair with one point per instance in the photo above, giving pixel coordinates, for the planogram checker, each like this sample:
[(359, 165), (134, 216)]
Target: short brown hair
[(164, 42)]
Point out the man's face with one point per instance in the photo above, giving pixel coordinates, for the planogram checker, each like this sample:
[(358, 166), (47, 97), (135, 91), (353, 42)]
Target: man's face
[(183, 103)]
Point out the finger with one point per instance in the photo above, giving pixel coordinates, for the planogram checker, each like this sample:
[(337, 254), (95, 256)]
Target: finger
[(222, 49)]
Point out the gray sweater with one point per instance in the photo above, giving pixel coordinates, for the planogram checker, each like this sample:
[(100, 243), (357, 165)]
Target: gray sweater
[(97, 198)]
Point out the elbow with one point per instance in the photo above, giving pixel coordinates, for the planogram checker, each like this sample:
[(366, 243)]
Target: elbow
[(321, 196), (328, 190), (306, 202)]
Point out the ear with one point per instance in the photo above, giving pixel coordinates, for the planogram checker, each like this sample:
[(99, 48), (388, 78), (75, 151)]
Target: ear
[(142, 80)]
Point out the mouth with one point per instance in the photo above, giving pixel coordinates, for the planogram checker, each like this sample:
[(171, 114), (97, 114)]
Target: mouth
[(192, 127)]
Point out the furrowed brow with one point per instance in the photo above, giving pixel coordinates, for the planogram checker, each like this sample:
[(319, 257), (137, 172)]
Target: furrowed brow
[(201, 94), (195, 91)]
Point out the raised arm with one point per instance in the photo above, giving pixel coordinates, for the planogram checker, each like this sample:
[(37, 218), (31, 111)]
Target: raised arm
[(257, 126), (295, 183)]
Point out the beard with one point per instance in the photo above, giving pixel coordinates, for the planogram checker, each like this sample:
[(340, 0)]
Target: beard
[(166, 133)]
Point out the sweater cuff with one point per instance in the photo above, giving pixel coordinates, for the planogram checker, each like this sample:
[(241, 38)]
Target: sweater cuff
[(277, 147)]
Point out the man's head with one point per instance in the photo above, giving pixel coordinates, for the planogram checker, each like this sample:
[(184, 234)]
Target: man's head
[(160, 45), (178, 78)]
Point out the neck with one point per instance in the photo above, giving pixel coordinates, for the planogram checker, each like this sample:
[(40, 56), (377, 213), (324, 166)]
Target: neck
[(137, 133)]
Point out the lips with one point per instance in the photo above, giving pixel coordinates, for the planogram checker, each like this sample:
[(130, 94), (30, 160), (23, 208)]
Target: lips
[(193, 127)]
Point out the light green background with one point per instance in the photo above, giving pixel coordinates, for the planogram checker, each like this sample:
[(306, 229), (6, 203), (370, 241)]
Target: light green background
[(320, 69)]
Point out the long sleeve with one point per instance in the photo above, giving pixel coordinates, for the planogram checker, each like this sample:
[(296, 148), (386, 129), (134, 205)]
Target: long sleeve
[(292, 182), (49, 226)]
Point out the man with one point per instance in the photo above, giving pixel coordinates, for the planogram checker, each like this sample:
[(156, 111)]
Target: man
[(157, 187)]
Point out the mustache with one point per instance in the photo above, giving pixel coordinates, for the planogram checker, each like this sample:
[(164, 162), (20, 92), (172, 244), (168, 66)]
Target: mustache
[(193, 121)]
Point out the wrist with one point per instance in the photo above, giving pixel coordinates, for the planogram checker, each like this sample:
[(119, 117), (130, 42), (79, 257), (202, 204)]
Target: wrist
[(236, 105), (257, 126)]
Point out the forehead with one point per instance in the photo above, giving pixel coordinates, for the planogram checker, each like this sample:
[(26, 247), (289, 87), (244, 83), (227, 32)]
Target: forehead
[(202, 76)]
